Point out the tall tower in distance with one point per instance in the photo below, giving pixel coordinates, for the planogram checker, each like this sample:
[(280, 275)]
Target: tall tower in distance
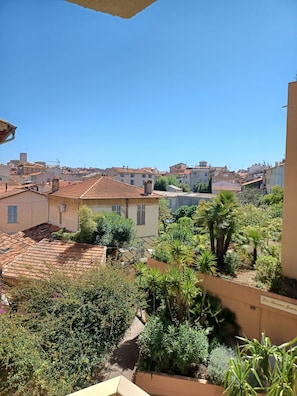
[(23, 157)]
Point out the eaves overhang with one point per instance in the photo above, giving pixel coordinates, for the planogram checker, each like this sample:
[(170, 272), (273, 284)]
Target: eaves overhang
[(121, 8), (7, 131)]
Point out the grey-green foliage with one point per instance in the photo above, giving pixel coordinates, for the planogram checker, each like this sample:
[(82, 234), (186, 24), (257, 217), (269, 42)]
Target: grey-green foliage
[(268, 271), (172, 348), (218, 363)]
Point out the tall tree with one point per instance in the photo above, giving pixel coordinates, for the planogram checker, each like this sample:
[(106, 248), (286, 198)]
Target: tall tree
[(219, 216), (165, 216)]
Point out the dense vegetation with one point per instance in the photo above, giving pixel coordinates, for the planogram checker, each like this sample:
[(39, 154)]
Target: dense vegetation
[(59, 332), (42, 335), (242, 232), (103, 228), (187, 328)]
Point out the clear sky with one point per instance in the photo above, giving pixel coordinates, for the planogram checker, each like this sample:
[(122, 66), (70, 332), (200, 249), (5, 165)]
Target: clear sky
[(182, 81)]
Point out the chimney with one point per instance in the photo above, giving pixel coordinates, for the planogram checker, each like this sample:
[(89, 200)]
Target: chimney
[(147, 187), (55, 185)]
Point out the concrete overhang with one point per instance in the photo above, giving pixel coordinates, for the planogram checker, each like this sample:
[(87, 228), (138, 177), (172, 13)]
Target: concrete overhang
[(118, 386), (121, 8), (7, 131)]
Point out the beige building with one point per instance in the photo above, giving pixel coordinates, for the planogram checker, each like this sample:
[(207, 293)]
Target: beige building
[(106, 194), (135, 177), (289, 245), (21, 209), (274, 176)]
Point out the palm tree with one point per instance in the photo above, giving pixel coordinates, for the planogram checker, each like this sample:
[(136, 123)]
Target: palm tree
[(207, 263), (174, 280), (182, 289), (189, 289), (153, 280), (256, 238), (181, 255), (219, 216)]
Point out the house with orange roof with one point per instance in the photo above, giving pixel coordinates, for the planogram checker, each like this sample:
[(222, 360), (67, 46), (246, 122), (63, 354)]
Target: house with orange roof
[(21, 209), (106, 194), (50, 256)]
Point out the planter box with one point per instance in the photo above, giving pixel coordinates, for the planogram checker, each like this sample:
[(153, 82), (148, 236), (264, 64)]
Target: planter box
[(175, 385)]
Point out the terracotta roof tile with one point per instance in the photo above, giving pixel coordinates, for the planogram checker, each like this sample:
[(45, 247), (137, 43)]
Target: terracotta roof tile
[(134, 170), (13, 246), (41, 231), (10, 193), (47, 255), (102, 188)]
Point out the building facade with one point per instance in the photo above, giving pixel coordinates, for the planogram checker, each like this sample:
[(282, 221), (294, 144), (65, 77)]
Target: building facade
[(109, 195)]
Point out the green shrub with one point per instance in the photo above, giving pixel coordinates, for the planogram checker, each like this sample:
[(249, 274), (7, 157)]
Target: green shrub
[(172, 349), (161, 252), (74, 324), (268, 271), (231, 262), (218, 363)]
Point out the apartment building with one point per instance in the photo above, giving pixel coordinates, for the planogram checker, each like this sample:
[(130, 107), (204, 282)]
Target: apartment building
[(274, 176), (132, 176)]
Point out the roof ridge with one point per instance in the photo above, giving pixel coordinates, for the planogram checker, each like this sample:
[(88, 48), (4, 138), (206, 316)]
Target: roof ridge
[(96, 181)]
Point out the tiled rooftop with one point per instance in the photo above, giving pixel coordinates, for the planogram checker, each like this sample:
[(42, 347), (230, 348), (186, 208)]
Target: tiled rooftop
[(134, 170), (53, 255), (12, 246), (40, 231), (9, 193), (102, 188)]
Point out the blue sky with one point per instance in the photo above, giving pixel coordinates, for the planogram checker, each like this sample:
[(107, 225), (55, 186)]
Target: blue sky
[(182, 81)]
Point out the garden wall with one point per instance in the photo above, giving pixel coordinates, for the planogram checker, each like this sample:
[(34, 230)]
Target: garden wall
[(167, 385), (257, 311)]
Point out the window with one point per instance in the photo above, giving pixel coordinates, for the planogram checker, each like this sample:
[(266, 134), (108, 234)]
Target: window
[(131, 174), (143, 175), (132, 182), (116, 209), (12, 214), (150, 176), (140, 214)]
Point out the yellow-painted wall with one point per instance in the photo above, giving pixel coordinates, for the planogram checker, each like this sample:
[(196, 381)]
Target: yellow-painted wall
[(69, 218), (32, 210)]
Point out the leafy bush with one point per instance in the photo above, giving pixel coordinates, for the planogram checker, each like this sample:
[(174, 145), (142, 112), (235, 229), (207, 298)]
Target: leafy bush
[(161, 252), (218, 363), (172, 349), (231, 262), (73, 323), (268, 271)]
